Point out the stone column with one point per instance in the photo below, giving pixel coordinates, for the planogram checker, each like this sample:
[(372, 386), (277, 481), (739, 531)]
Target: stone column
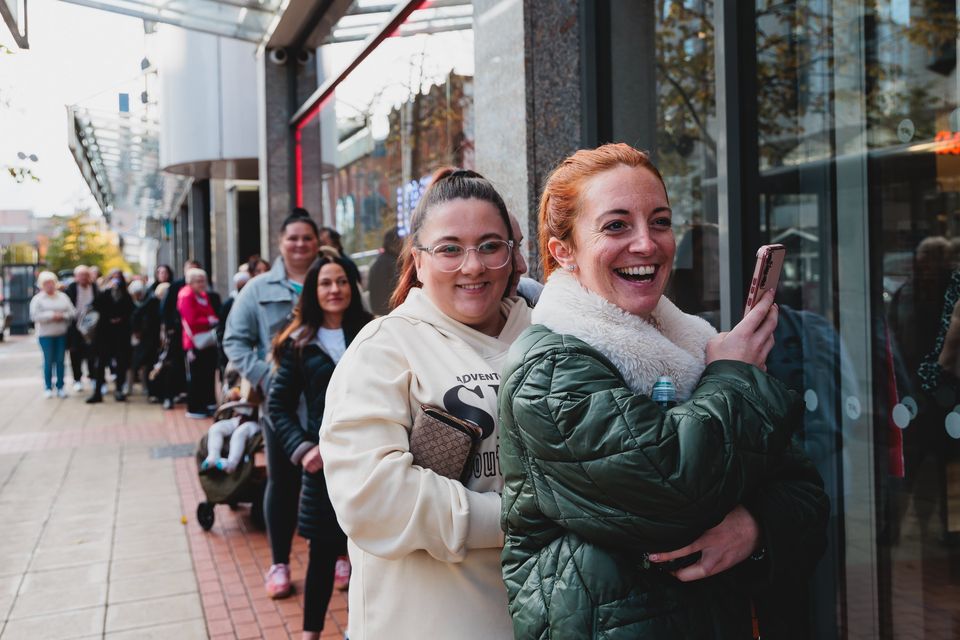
[(530, 103), (282, 86), (220, 270)]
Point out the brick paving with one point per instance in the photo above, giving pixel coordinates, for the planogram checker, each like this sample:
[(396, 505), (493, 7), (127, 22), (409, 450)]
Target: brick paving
[(94, 545)]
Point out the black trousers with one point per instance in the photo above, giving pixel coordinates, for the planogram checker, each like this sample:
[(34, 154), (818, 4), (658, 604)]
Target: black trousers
[(175, 370), (81, 352), (318, 586), (201, 392), (281, 500), (117, 357)]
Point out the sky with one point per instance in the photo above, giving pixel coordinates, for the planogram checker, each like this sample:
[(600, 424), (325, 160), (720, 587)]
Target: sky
[(76, 55)]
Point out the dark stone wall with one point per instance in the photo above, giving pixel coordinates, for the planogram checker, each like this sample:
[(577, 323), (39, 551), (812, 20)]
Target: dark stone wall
[(555, 95), (284, 88)]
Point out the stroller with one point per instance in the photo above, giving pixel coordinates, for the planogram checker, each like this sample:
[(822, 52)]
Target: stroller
[(245, 484)]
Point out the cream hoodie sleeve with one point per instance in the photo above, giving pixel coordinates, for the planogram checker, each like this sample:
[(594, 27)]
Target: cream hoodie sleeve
[(386, 505)]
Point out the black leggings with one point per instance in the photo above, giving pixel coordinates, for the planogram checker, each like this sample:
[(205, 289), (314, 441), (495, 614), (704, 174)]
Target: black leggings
[(119, 354), (80, 351), (281, 501), (201, 394), (318, 586)]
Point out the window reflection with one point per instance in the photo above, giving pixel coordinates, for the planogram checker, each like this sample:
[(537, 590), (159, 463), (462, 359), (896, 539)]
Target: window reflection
[(405, 111), (686, 149), (905, 70)]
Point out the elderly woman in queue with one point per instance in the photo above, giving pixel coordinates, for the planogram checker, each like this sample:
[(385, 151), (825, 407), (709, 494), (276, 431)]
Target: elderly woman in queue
[(425, 548), (261, 309), (326, 320), (199, 315), (625, 519), (52, 314)]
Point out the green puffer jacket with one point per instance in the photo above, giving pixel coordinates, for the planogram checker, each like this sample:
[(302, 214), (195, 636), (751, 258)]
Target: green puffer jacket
[(597, 476)]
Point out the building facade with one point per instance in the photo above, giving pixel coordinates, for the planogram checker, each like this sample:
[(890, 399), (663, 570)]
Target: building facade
[(829, 127)]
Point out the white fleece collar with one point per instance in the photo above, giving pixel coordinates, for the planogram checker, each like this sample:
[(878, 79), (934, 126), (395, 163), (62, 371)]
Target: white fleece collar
[(639, 350)]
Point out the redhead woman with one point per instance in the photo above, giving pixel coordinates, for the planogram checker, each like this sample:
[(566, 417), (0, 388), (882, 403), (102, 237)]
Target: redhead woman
[(625, 519), (425, 549)]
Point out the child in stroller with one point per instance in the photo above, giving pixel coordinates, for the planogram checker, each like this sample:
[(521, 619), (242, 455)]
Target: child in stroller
[(241, 475), (239, 428)]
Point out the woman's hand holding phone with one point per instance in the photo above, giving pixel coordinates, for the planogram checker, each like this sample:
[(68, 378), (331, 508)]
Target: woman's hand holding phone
[(752, 339)]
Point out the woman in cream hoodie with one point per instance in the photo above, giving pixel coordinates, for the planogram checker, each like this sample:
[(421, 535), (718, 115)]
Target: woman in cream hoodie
[(426, 549)]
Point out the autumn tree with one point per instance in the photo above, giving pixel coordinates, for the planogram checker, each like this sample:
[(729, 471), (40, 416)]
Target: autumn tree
[(79, 241)]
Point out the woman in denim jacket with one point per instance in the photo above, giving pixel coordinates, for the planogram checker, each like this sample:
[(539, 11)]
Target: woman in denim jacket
[(262, 308)]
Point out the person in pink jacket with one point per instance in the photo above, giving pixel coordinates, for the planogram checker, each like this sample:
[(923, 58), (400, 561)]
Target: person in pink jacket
[(199, 315)]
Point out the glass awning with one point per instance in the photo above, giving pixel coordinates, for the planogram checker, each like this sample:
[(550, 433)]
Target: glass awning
[(365, 17), (248, 20), (119, 157)]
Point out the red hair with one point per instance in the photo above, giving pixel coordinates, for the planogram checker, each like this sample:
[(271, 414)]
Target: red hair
[(560, 201)]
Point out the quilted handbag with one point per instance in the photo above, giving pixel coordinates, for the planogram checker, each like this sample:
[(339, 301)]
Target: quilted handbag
[(443, 443)]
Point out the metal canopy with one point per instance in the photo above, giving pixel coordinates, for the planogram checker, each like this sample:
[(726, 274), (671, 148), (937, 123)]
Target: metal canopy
[(118, 155), (248, 20), (365, 18), (14, 13)]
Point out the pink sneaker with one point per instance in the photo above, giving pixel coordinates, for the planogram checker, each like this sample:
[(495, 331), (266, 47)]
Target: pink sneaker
[(341, 574), (278, 581)]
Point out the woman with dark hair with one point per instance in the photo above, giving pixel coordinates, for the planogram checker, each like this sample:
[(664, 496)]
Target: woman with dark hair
[(325, 321), (163, 273), (425, 547), (257, 265), (260, 311)]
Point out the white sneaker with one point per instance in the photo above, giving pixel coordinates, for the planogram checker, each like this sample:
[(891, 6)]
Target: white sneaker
[(47, 393), (61, 393), (78, 386)]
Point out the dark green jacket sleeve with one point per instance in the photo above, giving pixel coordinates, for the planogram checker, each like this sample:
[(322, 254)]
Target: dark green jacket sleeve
[(612, 467)]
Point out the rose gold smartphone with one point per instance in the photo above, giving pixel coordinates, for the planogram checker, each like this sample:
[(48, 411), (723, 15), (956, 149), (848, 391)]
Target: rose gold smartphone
[(766, 275)]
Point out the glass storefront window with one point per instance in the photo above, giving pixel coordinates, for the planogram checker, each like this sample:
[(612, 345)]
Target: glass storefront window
[(685, 149), (404, 112), (856, 110)]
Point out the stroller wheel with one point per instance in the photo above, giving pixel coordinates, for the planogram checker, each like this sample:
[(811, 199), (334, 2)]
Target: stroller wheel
[(205, 515)]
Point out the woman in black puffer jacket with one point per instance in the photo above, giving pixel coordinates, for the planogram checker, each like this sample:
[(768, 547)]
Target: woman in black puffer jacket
[(327, 317)]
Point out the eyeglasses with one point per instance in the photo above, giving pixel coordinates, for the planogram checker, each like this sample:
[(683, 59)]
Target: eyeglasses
[(450, 256)]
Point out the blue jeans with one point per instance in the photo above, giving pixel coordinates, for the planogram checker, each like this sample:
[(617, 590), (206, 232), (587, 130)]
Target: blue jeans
[(53, 348)]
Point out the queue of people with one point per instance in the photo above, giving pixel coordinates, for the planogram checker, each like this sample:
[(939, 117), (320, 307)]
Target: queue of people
[(577, 506), (118, 324)]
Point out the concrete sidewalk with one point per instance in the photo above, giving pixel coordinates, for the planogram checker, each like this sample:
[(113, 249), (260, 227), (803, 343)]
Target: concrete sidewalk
[(92, 501)]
